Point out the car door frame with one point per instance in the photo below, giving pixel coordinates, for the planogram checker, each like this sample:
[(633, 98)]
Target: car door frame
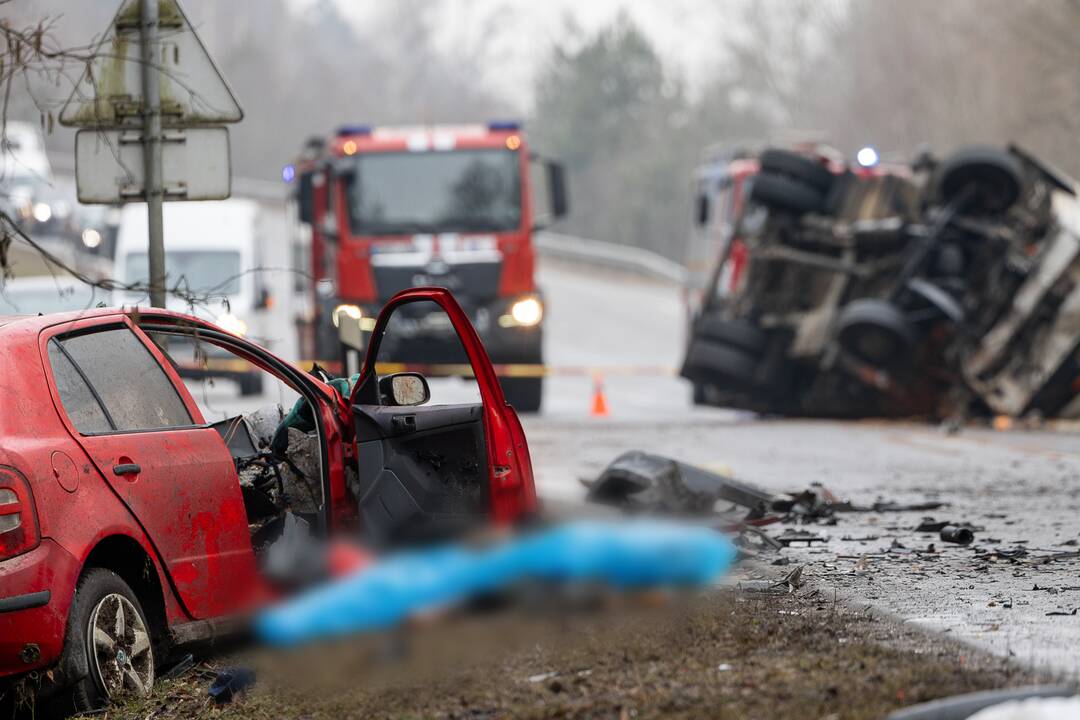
[(332, 419), (512, 491)]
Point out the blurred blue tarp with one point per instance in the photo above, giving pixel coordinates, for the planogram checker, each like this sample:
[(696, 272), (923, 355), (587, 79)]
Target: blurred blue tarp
[(624, 555)]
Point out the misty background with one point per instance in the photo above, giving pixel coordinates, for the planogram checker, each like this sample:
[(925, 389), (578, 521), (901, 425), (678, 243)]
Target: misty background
[(629, 95)]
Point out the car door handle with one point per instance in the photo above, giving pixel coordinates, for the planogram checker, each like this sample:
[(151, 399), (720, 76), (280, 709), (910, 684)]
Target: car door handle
[(127, 469), (403, 423)]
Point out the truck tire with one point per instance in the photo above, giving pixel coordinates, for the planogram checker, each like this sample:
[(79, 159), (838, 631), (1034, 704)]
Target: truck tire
[(740, 333), (783, 193), (994, 174), (710, 362), (108, 645), (523, 393), (876, 332), (799, 167)]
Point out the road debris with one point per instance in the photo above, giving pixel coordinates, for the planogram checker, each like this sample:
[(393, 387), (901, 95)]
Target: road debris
[(230, 683), (957, 534), (644, 482)]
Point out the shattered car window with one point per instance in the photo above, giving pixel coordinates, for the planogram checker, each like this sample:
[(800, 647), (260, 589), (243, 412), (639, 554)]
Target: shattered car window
[(136, 393), (75, 395)]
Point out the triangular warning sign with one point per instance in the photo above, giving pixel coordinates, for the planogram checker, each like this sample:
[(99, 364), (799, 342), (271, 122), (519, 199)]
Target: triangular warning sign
[(193, 92)]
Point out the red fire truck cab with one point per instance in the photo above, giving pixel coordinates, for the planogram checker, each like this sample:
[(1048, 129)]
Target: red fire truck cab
[(383, 209)]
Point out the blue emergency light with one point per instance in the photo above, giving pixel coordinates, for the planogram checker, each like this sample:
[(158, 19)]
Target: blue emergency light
[(346, 130), (508, 125), (288, 173)]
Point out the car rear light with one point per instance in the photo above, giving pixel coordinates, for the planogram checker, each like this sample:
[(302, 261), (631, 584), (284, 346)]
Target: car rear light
[(18, 516)]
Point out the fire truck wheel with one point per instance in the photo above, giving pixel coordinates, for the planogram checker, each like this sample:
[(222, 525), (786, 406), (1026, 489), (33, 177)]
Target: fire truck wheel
[(799, 167), (716, 363), (783, 193), (523, 394), (994, 176), (876, 332), (740, 333)]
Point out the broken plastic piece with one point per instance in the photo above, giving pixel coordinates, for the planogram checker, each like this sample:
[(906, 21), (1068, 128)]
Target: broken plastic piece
[(231, 682)]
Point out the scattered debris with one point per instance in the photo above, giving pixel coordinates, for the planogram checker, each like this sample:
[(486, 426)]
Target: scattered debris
[(957, 534), (800, 536), (642, 482), (230, 683), (179, 668)]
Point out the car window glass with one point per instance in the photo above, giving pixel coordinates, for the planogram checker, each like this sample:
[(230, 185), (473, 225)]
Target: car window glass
[(79, 403), (134, 389), (420, 337)]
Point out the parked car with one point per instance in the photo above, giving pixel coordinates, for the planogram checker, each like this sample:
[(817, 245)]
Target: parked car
[(935, 288), (129, 526)]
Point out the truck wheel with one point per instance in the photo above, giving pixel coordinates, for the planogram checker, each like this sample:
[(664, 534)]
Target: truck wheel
[(523, 394), (799, 167), (712, 362), (876, 332), (740, 333), (783, 193), (108, 643), (994, 175)]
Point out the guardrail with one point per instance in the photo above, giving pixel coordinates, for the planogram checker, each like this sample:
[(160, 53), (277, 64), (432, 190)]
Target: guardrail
[(609, 255)]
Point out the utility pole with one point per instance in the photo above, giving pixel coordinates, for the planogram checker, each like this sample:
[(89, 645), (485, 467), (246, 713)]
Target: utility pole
[(151, 56)]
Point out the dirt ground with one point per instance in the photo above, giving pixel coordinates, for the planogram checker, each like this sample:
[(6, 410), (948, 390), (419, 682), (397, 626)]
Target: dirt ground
[(732, 654)]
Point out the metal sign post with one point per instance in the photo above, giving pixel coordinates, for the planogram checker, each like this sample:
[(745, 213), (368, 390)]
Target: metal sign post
[(151, 56)]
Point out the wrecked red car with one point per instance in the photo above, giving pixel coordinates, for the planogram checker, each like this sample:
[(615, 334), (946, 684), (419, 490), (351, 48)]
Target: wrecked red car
[(131, 525)]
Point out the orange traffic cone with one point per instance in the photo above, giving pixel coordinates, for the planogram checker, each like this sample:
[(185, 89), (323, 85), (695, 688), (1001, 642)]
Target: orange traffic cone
[(599, 402)]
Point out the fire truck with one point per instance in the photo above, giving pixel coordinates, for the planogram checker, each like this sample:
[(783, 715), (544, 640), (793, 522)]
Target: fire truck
[(381, 209)]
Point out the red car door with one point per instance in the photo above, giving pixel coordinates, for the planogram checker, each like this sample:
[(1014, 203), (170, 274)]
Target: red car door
[(149, 442), (421, 465)]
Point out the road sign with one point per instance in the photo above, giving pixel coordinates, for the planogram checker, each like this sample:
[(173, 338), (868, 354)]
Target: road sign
[(150, 71), (110, 92), (109, 164)]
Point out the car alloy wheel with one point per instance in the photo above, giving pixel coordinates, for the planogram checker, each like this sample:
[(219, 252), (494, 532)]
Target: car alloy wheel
[(120, 654)]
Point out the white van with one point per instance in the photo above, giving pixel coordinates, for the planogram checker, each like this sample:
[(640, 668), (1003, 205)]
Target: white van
[(211, 251)]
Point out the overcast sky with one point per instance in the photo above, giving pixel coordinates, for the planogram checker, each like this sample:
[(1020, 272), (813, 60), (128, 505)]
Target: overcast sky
[(534, 26)]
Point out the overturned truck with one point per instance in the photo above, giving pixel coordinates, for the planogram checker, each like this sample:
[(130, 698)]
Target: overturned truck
[(936, 288)]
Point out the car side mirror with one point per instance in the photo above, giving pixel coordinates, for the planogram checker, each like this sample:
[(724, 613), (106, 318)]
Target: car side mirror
[(404, 389), (556, 178)]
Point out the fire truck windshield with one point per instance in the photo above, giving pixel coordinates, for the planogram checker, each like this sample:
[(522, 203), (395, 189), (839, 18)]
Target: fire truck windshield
[(395, 193)]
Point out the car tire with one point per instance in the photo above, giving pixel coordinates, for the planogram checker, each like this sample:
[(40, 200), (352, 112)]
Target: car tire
[(714, 362), (740, 333), (995, 175), (798, 167), (524, 394), (876, 332), (783, 193), (108, 646)]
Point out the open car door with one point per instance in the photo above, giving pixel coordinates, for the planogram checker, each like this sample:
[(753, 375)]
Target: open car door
[(428, 469)]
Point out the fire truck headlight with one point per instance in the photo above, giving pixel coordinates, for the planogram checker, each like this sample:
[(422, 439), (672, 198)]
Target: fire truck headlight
[(91, 238), (42, 212), (867, 157), (527, 312), (230, 323), (349, 311)]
